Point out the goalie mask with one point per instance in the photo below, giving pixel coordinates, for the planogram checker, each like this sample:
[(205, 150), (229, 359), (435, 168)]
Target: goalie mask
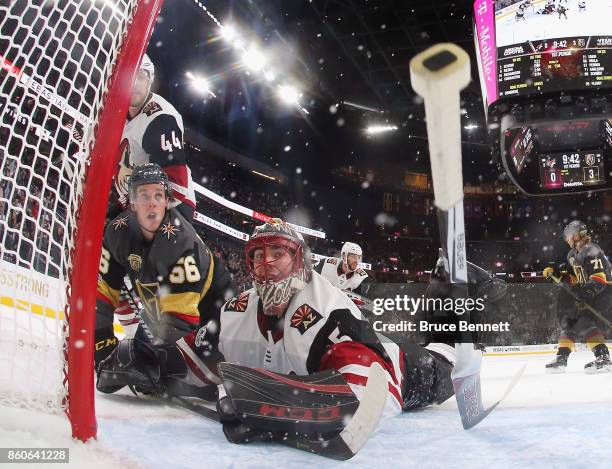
[(278, 261), (351, 248)]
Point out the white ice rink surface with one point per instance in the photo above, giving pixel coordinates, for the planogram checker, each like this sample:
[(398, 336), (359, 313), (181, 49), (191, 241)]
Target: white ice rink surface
[(548, 421), (594, 21)]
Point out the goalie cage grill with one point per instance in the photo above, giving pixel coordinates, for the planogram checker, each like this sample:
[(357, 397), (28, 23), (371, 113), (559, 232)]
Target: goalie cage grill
[(62, 113)]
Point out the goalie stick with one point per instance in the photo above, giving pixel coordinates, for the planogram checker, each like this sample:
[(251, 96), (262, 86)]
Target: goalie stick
[(438, 74), (345, 444)]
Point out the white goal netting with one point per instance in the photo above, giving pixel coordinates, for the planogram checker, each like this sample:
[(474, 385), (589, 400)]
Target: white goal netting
[(56, 59)]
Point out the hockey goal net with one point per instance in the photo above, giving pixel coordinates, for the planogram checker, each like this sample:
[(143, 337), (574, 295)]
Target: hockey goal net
[(66, 68)]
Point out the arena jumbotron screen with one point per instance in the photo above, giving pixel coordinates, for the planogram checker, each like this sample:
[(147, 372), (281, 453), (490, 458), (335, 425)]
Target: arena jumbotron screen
[(543, 46)]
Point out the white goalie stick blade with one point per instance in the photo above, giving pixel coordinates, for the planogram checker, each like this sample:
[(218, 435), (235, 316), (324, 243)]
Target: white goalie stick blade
[(469, 398), (369, 412)]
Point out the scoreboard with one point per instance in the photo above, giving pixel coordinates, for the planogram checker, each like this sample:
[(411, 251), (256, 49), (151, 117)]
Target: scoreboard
[(537, 158), (545, 69), (542, 50), (580, 169), (557, 64)]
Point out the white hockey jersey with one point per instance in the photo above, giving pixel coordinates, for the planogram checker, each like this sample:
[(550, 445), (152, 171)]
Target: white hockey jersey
[(321, 329), (329, 268), (155, 135)]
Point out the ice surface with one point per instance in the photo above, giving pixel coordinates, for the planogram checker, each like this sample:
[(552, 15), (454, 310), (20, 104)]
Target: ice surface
[(547, 421)]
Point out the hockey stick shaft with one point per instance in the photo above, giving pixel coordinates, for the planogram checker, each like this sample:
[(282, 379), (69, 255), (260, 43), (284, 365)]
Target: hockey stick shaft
[(133, 302), (452, 239), (438, 74), (592, 310)]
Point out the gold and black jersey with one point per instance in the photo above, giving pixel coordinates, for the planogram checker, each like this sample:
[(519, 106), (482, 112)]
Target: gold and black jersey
[(171, 274), (590, 264)]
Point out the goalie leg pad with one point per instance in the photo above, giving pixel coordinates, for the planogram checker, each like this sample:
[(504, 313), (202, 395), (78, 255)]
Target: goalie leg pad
[(234, 429), (241, 432), (315, 404)]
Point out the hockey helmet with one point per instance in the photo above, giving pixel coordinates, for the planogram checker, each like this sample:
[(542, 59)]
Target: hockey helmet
[(574, 228), (148, 173), (277, 278), (350, 248)]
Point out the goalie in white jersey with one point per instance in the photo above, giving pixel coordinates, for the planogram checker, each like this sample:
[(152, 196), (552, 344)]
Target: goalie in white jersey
[(294, 322), (344, 272), (153, 133)]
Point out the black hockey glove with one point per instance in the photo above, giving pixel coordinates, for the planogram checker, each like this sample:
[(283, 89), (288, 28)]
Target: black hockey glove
[(133, 363), (552, 270), (105, 343)]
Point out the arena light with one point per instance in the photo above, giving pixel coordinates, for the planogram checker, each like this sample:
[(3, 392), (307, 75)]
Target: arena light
[(228, 32), (199, 84), (289, 94), (270, 76), (470, 126), (254, 59), (362, 107), (379, 129), (272, 178)]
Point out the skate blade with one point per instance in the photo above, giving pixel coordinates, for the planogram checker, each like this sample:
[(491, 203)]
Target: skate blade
[(595, 371), (556, 371)]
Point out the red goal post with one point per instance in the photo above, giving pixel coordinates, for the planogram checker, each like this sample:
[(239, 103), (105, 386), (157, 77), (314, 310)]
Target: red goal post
[(66, 70)]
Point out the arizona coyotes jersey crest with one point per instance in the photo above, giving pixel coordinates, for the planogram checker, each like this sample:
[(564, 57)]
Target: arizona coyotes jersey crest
[(329, 270), (155, 135), (317, 318)]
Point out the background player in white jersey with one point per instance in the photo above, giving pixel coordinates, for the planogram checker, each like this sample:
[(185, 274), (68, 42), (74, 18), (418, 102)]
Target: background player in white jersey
[(344, 272), (153, 133), (295, 323)]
